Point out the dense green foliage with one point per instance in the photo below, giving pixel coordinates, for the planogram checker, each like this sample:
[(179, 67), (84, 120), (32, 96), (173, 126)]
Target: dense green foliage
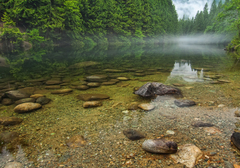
[(91, 21)]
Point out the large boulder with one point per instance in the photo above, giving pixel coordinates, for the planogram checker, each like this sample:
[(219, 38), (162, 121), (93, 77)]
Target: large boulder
[(154, 88)]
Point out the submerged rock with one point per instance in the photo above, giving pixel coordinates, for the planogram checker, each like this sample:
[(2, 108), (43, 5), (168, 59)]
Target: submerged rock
[(94, 84), (184, 103), (154, 88), (89, 97), (27, 107), (160, 146), (201, 124), (76, 141), (92, 104), (96, 78), (10, 120), (187, 154), (146, 106), (133, 134), (43, 100), (53, 82), (133, 106), (37, 96), (62, 91), (235, 138), (7, 101), (81, 87), (14, 165), (16, 95), (25, 100), (8, 137)]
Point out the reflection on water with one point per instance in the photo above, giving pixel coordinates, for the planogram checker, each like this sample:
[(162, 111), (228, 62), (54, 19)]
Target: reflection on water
[(182, 69), (45, 131)]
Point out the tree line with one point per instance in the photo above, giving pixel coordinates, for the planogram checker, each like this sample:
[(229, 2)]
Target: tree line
[(110, 21)]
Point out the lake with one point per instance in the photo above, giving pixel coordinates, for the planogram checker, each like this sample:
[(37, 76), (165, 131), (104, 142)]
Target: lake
[(205, 74)]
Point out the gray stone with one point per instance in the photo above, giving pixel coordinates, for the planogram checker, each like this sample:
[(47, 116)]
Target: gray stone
[(184, 103), (25, 100), (43, 100), (160, 146), (16, 95), (133, 134)]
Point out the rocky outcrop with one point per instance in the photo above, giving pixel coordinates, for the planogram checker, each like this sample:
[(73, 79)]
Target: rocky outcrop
[(154, 88)]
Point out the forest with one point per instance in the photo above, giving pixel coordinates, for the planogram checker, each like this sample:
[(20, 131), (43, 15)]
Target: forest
[(92, 22)]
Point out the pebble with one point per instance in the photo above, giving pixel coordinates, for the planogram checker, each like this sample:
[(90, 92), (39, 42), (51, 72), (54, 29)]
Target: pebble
[(146, 106)]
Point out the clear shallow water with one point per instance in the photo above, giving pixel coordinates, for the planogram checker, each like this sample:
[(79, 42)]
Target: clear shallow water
[(43, 133)]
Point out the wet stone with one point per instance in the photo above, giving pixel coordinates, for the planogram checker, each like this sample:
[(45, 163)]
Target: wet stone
[(81, 87), (154, 88), (188, 155), (16, 95), (113, 70), (114, 80), (7, 101), (235, 138), (14, 165), (43, 100), (53, 87), (224, 81), (139, 74), (96, 78), (237, 113), (93, 84), (76, 141), (10, 121), (25, 100), (146, 106), (160, 146), (78, 83), (37, 96), (63, 91), (89, 97), (108, 83), (53, 82), (8, 137), (133, 134), (133, 106), (122, 78), (89, 104), (184, 103), (201, 124), (27, 107)]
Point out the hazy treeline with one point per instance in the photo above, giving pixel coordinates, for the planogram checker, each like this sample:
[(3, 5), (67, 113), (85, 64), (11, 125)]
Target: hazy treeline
[(216, 18)]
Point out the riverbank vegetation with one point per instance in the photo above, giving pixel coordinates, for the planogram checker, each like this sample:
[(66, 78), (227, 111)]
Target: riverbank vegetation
[(88, 22)]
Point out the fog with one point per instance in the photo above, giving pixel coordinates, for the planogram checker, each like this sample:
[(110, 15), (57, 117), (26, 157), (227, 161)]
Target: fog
[(190, 7)]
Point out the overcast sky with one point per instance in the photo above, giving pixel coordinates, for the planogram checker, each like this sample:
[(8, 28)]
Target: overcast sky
[(190, 7)]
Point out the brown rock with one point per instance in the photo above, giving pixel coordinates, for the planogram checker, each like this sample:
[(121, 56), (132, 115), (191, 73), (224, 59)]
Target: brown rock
[(7, 101), (62, 91), (8, 137), (89, 97), (146, 106), (187, 154), (92, 104), (81, 87), (25, 100), (37, 96), (27, 107), (76, 141), (53, 87), (93, 84), (16, 95), (133, 106), (10, 121), (53, 82)]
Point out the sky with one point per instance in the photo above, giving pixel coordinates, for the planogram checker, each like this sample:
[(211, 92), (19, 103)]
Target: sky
[(190, 7)]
